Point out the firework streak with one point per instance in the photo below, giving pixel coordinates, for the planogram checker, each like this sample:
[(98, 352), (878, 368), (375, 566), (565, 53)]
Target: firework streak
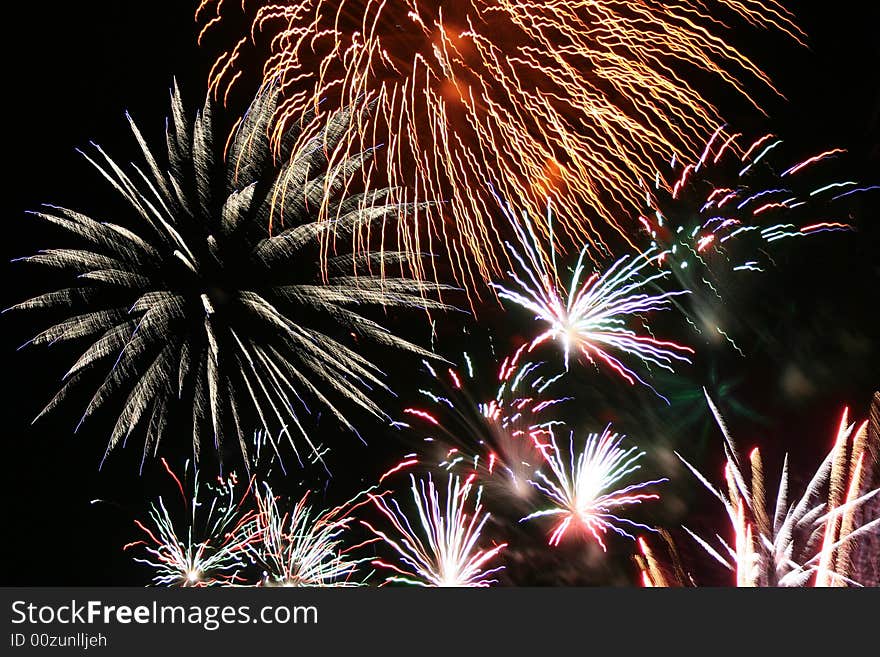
[(723, 213), (192, 303), (582, 485), (493, 437), (247, 540), (562, 98), (212, 549), (591, 315), (806, 542), (442, 547), (304, 547)]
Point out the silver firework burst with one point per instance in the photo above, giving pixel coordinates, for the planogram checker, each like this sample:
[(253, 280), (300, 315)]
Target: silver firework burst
[(191, 301)]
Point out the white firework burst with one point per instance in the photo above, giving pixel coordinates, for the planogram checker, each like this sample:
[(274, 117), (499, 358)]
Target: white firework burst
[(191, 302), (584, 486), (802, 542), (442, 549), (592, 316)]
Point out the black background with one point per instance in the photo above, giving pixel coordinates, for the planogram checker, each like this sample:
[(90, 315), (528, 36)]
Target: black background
[(71, 69)]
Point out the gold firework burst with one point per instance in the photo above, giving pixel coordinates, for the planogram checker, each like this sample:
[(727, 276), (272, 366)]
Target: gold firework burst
[(561, 100)]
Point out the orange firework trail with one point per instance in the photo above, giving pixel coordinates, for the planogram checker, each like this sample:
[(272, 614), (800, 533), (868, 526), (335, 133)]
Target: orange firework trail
[(806, 541), (559, 100)]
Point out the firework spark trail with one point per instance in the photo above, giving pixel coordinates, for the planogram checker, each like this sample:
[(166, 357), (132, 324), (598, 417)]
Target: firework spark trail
[(212, 551), (563, 98), (441, 548), (591, 315), (192, 301), (725, 211), (304, 547), (493, 436), (582, 486), (733, 191), (803, 542), (251, 540)]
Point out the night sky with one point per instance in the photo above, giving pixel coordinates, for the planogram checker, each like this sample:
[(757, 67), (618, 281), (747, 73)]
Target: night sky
[(72, 71)]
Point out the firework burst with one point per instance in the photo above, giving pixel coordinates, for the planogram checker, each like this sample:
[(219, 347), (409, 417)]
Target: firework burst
[(443, 548), (591, 315), (561, 98), (190, 303), (303, 547), (805, 542), (212, 549), (493, 435), (721, 215), (582, 486)]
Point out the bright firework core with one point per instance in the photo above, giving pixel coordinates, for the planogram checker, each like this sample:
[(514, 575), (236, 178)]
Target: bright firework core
[(583, 485)]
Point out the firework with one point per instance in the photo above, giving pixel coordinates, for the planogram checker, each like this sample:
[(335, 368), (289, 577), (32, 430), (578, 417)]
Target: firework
[(212, 548), (591, 315), (442, 549), (491, 435), (189, 302), (805, 542), (721, 214), (562, 98), (582, 485), (303, 547), (866, 558)]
